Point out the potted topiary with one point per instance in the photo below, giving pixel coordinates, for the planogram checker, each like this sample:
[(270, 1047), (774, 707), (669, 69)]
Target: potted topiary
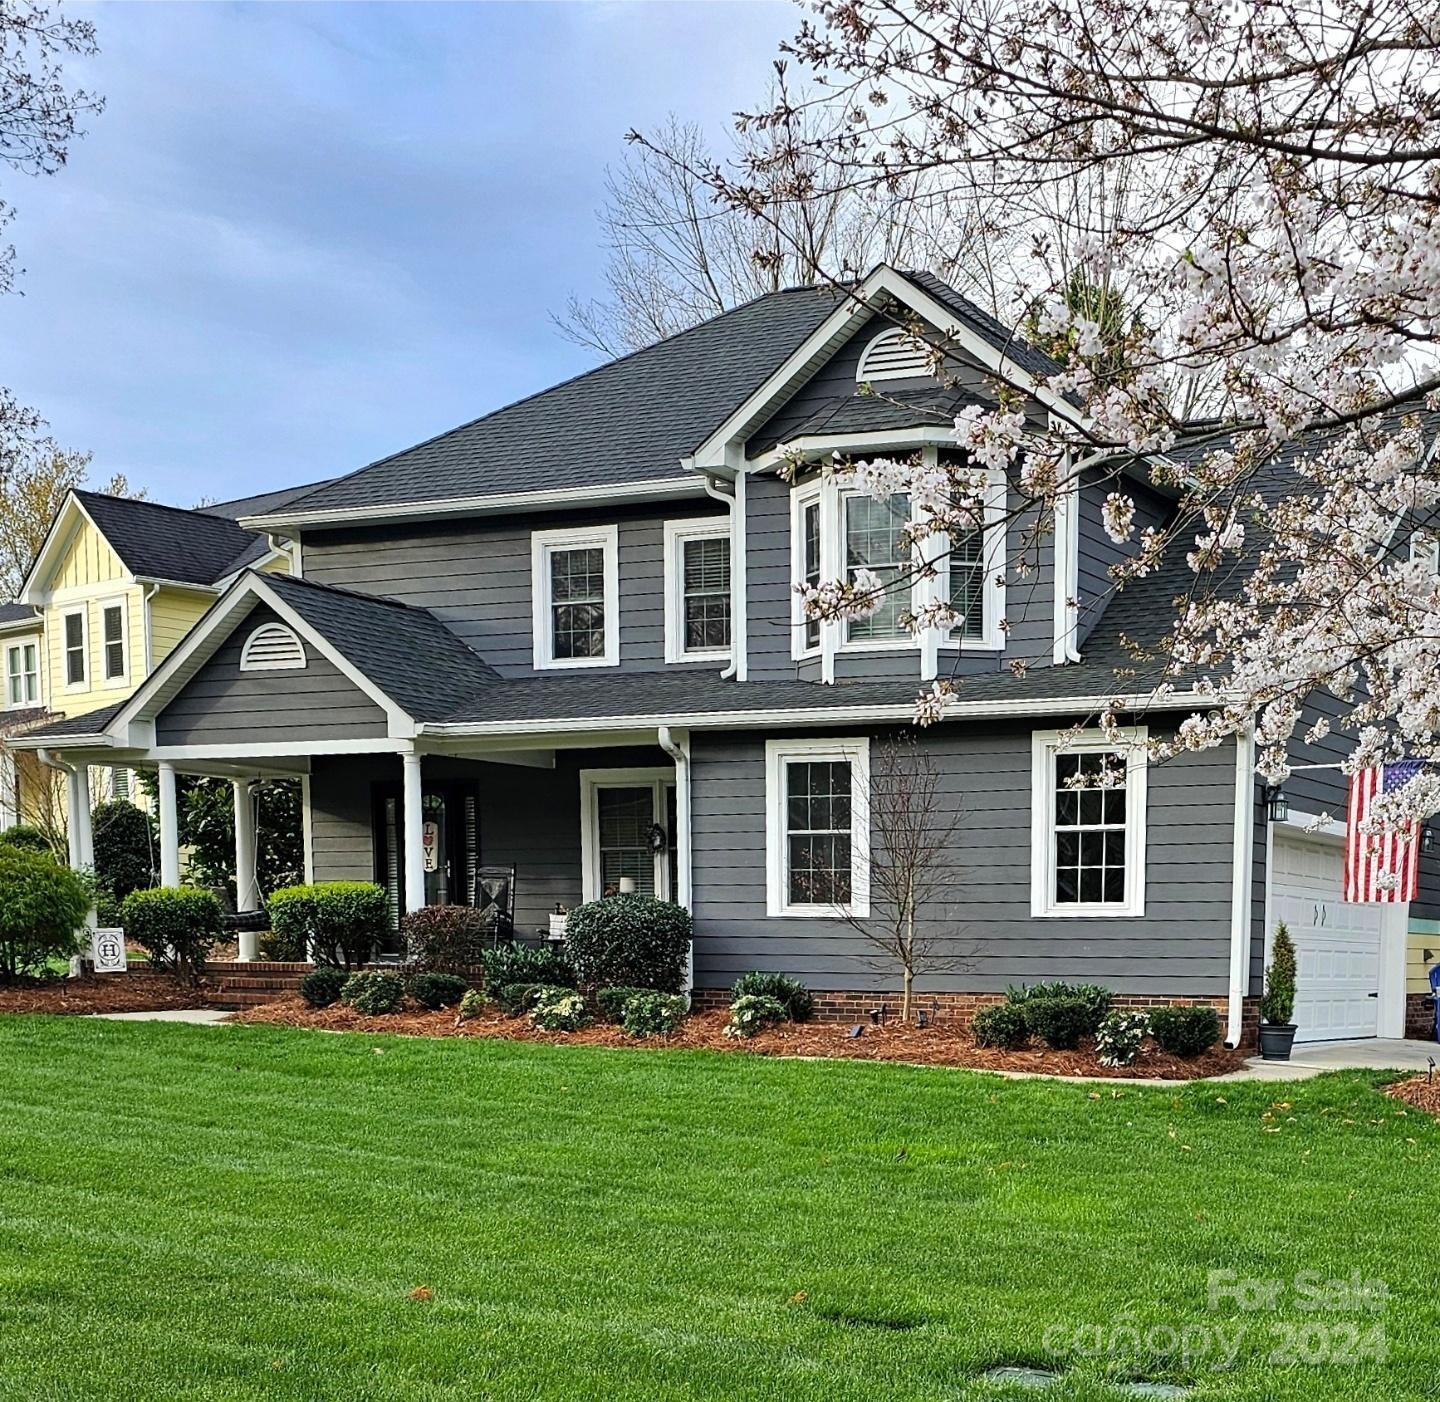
[(1277, 1006)]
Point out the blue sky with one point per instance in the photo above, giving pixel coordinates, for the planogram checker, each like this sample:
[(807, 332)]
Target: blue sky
[(303, 236)]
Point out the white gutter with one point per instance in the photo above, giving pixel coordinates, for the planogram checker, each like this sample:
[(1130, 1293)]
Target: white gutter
[(678, 748), (1243, 849)]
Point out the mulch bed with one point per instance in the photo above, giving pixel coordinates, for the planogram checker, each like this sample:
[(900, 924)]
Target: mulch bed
[(107, 993), (1419, 1091), (930, 1046)]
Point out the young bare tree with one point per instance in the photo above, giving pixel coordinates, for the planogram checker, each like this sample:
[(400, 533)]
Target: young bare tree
[(914, 873)]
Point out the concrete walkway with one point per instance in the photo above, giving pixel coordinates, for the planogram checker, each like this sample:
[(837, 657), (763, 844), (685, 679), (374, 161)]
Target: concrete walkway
[(203, 1017), (1311, 1058)]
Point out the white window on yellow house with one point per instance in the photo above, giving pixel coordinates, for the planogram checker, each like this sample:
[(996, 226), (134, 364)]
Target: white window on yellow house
[(113, 649), (22, 674), (76, 668)]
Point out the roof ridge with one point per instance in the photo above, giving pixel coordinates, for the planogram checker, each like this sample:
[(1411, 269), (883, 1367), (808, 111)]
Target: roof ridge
[(550, 389), (191, 511)]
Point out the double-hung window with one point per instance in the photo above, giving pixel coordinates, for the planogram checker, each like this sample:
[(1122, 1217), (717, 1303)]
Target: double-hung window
[(74, 641), (112, 640), (1088, 825), (817, 827), (972, 575), (575, 591), (806, 536), (876, 539), (22, 674), (697, 590)]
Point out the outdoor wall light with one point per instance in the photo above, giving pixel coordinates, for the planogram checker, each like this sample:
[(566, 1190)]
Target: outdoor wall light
[(1427, 839), (1277, 806)]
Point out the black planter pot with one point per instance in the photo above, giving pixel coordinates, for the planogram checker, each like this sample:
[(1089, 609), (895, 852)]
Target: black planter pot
[(1276, 1039)]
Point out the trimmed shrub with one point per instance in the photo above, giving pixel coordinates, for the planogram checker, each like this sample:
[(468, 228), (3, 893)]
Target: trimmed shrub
[(471, 1005), (1120, 1038), (374, 992), (560, 1010), (42, 910), (29, 839), (321, 987), (630, 941), (125, 848), (654, 1014), (752, 1012), (526, 963), (1004, 1025), (1060, 1022), (287, 948), (611, 1001), (1095, 998), (436, 991), (517, 998), (790, 993), (177, 926), (341, 922), (1277, 1005), (446, 939), (1185, 1031)]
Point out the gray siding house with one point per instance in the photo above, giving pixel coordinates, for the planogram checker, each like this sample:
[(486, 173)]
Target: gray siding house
[(564, 638)]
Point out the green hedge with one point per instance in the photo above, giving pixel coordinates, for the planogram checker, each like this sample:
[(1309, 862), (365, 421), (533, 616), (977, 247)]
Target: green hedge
[(340, 922), (42, 911), (177, 926)]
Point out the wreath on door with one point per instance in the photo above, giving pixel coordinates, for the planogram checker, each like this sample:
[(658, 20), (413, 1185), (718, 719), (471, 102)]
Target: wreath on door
[(656, 839)]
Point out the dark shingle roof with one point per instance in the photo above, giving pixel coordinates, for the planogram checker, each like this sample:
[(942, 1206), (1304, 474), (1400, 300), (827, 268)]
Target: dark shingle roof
[(169, 542), (17, 613), (869, 413), (996, 334), (91, 723), (406, 651), (629, 421), (263, 502)]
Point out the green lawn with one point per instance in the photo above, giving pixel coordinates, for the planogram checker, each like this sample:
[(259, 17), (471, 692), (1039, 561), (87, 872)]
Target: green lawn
[(243, 1212)]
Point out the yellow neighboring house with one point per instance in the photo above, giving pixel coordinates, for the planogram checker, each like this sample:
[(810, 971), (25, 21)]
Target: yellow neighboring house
[(116, 585)]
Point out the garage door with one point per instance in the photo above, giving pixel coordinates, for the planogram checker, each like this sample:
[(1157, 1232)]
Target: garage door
[(1338, 944)]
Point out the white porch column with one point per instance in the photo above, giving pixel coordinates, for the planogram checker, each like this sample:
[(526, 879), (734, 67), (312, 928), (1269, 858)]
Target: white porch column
[(77, 815), (413, 839), (247, 889), (169, 827)]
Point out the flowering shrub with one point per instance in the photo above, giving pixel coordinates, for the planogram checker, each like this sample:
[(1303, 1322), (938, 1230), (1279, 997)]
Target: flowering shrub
[(374, 992), (471, 1005), (517, 998), (751, 1013), (1120, 1037), (789, 992), (560, 1010), (611, 1001), (653, 1014)]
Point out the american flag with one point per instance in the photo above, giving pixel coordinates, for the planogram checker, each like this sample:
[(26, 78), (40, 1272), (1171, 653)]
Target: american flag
[(1372, 859)]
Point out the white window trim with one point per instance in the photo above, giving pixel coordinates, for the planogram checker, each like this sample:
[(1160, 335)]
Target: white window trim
[(677, 535), (115, 601), (1045, 746), (83, 614), (542, 545), (1425, 545), (906, 643), (778, 753), (250, 663), (992, 637), (18, 648), (591, 782), (811, 494)]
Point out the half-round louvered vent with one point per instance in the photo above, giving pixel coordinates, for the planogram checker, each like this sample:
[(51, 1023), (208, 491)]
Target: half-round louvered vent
[(893, 355), (272, 647)]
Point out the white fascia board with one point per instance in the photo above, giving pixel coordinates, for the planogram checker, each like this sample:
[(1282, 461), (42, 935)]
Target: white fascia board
[(874, 440), (35, 624), (497, 504), (188, 585), (816, 715)]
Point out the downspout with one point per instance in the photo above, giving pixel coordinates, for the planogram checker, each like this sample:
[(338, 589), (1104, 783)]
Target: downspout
[(734, 503), (150, 591), (1067, 567), (1241, 880), (679, 750)]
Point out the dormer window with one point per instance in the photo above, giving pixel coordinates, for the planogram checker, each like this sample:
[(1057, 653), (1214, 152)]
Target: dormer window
[(895, 354), (272, 647)]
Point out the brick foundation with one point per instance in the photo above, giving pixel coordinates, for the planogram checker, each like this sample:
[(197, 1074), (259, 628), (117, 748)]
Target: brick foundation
[(1420, 1017), (960, 1008)]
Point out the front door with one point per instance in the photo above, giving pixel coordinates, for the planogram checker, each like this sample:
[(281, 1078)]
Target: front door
[(451, 844)]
